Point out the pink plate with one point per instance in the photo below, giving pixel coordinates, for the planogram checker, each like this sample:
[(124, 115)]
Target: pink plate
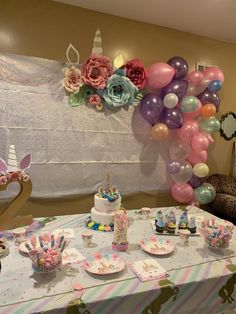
[(104, 264), (156, 246)]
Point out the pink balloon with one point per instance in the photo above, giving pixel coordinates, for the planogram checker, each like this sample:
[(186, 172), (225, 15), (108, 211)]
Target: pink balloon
[(160, 74), (199, 142), (209, 138), (195, 78), (196, 157), (194, 114), (212, 74), (189, 128), (182, 193)]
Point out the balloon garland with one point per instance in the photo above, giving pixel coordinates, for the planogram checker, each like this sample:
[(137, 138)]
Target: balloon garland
[(169, 98)]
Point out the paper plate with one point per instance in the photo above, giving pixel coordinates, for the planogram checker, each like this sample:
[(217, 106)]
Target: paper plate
[(104, 264), (3, 247), (23, 248), (156, 246)]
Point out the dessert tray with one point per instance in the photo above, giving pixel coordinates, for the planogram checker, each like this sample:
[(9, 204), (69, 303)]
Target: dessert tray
[(156, 246), (104, 264)]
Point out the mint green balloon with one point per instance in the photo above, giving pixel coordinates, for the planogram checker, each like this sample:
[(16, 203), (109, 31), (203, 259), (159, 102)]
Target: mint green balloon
[(210, 188), (189, 104), (210, 125), (203, 195)]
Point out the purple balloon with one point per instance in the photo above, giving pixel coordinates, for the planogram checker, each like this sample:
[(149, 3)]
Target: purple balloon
[(172, 166), (151, 108), (172, 118), (178, 87), (207, 97), (180, 65), (196, 181)]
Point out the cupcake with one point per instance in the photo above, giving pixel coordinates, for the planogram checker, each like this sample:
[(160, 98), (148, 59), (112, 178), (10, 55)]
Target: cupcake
[(171, 222), (159, 222), (183, 220), (192, 225)]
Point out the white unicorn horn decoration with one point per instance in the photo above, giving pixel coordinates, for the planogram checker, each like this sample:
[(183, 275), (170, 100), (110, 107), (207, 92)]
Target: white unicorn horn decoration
[(97, 43), (12, 160)]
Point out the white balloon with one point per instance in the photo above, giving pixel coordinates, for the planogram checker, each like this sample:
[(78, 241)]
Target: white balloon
[(201, 170), (170, 100)]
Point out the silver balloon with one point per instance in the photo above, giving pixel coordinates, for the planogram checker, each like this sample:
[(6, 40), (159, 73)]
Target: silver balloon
[(179, 150), (184, 174), (170, 100)]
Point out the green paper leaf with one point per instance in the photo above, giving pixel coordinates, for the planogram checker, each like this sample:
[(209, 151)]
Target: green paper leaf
[(74, 100)]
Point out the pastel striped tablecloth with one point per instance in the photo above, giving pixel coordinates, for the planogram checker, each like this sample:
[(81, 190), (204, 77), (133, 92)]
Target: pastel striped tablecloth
[(208, 287)]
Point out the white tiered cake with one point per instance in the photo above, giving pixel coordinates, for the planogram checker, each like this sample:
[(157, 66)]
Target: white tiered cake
[(104, 209), (107, 201)]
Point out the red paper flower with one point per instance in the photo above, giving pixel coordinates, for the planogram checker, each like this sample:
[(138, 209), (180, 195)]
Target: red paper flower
[(96, 70), (94, 100), (136, 72)]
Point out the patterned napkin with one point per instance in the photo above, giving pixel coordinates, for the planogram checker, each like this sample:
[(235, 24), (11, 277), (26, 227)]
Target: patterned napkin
[(148, 269), (68, 233), (72, 255)]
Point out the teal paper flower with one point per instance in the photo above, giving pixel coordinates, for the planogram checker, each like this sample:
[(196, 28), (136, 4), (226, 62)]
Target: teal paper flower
[(118, 92)]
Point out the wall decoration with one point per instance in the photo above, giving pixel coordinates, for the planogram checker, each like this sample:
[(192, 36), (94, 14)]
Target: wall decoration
[(228, 126), (170, 99), (172, 105), (96, 83)]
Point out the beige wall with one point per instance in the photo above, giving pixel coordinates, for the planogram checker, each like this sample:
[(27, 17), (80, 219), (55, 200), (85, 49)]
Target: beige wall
[(44, 28)]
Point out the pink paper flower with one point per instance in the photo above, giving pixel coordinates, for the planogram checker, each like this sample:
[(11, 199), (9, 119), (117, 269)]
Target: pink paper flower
[(136, 72), (72, 80), (3, 180), (94, 100), (96, 71)]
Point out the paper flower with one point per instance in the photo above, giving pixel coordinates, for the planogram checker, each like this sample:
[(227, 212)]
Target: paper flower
[(72, 80), (136, 72), (119, 91), (81, 97), (94, 100), (96, 71)]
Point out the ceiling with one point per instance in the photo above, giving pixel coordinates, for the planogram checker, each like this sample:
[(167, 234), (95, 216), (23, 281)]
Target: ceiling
[(211, 18)]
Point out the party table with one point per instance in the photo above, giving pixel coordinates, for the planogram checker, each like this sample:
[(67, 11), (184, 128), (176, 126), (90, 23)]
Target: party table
[(200, 280)]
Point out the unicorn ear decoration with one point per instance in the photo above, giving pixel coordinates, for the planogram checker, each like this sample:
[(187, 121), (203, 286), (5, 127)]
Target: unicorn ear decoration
[(3, 166), (72, 54), (97, 43), (25, 162)]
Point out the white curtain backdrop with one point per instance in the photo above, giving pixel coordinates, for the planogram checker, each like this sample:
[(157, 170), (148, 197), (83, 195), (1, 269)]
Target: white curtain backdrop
[(73, 148)]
